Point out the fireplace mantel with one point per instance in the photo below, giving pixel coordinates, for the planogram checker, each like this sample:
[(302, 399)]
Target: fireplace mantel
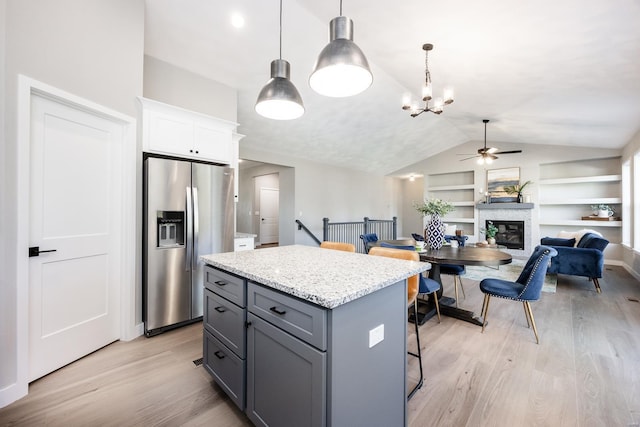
[(505, 205)]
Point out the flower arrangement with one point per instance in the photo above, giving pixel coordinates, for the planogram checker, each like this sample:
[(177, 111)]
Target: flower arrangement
[(491, 230), (434, 206)]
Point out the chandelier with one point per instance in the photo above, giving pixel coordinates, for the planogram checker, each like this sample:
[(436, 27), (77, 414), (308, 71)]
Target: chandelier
[(427, 92)]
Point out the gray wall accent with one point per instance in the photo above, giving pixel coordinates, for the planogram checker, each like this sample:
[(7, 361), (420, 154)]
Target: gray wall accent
[(326, 191), (412, 220), (89, 48), (173, 85), (246, 207)]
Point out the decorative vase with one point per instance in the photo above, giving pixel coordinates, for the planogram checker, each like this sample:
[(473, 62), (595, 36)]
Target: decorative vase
[(434, 233), (491, 240)]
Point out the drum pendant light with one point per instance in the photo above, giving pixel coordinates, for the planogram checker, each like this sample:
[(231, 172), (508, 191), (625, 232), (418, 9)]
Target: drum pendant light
[(279, 99), (341, 69)]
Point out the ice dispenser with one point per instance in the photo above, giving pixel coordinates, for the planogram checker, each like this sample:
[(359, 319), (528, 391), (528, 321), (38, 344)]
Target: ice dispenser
[(170, 226)]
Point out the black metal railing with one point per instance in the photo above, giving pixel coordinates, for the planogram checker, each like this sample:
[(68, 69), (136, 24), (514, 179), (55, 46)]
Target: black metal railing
[(349, 232), (301, 226)]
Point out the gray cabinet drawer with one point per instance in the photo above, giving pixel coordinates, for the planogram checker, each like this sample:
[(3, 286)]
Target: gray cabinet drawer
[(226, 368), (226, 321), (224, 284), (303, 320)]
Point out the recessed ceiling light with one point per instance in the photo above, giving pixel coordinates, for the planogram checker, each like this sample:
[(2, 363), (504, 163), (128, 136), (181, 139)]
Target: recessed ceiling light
[(237, 20)]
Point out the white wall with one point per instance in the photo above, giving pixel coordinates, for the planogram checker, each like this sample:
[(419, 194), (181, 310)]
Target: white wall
[(317, 191), (412, 221), (89, 48), (631, 258), (173, 85), (528, 161)]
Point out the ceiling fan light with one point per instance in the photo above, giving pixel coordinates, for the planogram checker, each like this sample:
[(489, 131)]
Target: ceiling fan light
[(341, 69), (279, 99), (480, 160)]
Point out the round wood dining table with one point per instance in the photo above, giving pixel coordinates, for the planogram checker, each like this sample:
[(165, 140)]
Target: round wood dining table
[(462, 255)]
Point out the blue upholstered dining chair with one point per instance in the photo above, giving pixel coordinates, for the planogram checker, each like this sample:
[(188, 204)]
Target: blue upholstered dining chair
[(368, 238), (450, 269), (526, 288), (426, 285)]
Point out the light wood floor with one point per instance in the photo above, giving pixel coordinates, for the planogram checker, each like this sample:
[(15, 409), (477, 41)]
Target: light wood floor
[(585, 372)]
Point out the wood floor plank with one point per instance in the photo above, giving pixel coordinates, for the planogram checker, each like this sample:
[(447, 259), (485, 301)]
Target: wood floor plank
[(584, 372)]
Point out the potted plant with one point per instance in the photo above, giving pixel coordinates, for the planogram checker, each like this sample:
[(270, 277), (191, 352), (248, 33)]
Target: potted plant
[(516, 189), (602, 210), (490, 232), (434, 206), (434, 232)]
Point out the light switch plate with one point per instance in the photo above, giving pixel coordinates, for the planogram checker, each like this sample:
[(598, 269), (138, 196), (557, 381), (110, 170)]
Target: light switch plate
[(376, 335)]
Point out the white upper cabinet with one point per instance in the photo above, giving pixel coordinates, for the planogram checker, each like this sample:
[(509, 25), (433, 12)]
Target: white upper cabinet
[(178, 132)]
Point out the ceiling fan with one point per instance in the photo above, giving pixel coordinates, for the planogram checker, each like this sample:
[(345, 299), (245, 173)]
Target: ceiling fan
[(487, 155)]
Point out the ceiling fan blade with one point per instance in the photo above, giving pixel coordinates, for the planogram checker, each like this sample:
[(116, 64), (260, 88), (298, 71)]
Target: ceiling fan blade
[(465, 154), (508, 152), (491, 150), (472, 157)]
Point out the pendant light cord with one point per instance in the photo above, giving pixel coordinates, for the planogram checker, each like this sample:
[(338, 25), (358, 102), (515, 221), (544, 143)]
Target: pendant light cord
[(340, 7), (280, 29)]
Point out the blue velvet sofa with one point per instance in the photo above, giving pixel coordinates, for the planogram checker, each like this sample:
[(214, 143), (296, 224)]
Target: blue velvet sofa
[(584, 259)]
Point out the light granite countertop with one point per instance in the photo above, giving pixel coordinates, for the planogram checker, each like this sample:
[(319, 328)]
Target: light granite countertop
[(325, 277)]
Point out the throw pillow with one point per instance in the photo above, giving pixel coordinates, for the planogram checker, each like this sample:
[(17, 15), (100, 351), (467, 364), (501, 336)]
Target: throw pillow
[(557, 241)]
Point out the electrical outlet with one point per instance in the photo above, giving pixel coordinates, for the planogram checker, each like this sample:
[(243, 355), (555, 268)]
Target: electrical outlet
[(376, 335)]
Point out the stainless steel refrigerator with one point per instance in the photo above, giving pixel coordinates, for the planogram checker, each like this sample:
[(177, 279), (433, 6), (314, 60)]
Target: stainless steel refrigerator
[(188, 211)]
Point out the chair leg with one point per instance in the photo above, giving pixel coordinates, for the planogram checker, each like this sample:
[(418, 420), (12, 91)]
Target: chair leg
[(419, 355), (597, 285), (526, 313), (533, 322), (462, 287), (455, 288), (485, 309), (435, 300)]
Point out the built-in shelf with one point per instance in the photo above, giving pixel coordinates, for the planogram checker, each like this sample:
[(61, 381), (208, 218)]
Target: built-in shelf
[(459, 220), (451, 187), (593, 201), (565, 198), (581, 223), (582, 179), (457, 188)]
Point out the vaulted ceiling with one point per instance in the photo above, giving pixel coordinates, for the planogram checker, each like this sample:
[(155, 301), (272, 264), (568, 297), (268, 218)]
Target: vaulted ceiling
[(547, 72)]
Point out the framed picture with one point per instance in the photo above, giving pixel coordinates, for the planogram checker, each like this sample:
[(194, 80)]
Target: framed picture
[(497, 179)]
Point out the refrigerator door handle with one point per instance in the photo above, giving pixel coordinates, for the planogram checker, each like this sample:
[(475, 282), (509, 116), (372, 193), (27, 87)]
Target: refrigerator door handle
[(189, 242), (196, 230)]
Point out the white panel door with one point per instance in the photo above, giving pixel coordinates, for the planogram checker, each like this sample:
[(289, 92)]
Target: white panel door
[(269, 215), (75, 201)]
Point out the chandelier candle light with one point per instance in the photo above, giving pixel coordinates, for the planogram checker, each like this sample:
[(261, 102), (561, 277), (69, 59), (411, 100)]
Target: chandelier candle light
[(427, 92)]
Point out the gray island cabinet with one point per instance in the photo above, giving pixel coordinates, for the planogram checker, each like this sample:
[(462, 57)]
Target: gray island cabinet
[(303, 336)]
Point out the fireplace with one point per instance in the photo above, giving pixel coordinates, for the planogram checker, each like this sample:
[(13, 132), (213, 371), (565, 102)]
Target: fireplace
[(510, 233)]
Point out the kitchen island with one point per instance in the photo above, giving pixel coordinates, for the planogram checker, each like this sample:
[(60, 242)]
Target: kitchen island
[(299, 335)]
